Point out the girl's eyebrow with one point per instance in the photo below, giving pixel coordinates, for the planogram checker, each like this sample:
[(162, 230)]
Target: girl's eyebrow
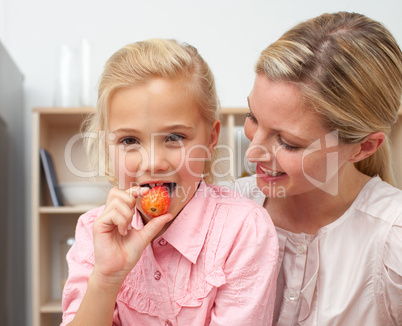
[(179, 126), (124, 130), (169, 128)]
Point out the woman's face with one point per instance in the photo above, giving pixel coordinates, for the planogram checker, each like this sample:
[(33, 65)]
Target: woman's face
[(294, 153)]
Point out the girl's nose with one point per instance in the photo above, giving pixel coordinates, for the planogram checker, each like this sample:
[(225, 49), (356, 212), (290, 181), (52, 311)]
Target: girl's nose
[(156, 162)]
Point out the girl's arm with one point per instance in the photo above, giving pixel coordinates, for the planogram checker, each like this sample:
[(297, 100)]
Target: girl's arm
[(97, 306), (117, 249)]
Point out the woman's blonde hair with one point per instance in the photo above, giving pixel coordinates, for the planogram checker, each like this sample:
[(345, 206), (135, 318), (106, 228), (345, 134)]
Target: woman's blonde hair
[(136, 64), (349, 69)]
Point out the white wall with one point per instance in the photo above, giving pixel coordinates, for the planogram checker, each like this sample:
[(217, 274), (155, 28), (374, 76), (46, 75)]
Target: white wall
[(228, 33)]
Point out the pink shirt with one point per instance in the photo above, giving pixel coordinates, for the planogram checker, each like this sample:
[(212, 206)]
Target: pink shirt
[(215, 265)]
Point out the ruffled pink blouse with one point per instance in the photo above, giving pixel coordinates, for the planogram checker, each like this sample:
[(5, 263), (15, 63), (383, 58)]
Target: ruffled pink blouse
[(215, 265)]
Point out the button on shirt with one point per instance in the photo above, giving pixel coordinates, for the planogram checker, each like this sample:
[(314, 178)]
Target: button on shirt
[(350, 272), (214, 265)]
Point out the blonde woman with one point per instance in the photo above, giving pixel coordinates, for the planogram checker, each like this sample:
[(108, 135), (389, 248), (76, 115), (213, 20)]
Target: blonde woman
[(325, 97)]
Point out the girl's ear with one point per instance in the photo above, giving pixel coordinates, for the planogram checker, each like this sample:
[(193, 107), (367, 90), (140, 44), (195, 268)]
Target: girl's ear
[(368, 146), (214, 137)]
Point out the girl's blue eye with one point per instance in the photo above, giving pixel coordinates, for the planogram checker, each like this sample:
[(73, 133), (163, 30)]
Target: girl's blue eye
[(174, 138), (129, 141), (286, 146)]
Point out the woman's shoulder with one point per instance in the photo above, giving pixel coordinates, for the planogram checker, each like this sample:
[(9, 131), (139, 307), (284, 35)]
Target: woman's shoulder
[(384, 202), (381, 200)]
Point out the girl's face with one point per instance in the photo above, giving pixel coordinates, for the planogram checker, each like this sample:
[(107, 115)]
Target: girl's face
[(294, 153), (157, 135)]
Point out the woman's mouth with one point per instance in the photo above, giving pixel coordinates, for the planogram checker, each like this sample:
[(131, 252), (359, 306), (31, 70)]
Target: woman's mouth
[(268, 173)]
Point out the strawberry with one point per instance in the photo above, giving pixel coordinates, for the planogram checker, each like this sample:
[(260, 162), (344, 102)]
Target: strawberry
[(156, 201)]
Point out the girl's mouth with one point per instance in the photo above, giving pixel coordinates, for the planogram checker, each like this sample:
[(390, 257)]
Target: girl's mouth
[(170, 186)]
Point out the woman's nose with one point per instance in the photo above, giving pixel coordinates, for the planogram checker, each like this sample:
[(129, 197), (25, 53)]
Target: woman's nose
[(259, 150)]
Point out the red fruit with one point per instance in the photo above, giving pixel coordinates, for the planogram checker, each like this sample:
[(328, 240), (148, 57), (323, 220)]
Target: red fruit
[(156, 201)]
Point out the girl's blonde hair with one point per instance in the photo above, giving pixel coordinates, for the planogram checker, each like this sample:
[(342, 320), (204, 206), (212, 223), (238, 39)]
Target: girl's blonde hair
[(349, 69), (136, 64)]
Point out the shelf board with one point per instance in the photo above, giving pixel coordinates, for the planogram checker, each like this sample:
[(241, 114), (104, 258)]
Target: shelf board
[(65, 209), (234, 110), (51, 307), (64, 110)]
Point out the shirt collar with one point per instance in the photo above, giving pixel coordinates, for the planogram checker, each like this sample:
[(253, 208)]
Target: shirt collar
[(188, 231)]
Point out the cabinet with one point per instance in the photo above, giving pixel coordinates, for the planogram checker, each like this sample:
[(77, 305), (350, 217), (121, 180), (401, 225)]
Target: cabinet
[(51, 226), (52, 129)]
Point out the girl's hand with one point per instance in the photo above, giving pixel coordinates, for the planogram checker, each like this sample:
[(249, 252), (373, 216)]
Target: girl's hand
[(118, 247)]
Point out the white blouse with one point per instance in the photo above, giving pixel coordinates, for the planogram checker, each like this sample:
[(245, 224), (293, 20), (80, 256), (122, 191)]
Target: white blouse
[(350, 272)]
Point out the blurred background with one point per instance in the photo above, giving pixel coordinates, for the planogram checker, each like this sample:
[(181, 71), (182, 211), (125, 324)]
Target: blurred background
[(41, 38)]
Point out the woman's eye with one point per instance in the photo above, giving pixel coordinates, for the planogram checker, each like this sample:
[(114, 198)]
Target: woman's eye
[(174, 138), (286, 146), (251, 117)]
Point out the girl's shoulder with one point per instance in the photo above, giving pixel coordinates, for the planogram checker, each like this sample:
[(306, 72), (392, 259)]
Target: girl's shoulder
[(234, 207), (87, 220), (83, 250), (236, 193), (245, 187)]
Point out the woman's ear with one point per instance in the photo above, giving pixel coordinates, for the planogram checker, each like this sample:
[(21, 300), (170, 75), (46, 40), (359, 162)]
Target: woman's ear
[(368, 146), (214, 137)]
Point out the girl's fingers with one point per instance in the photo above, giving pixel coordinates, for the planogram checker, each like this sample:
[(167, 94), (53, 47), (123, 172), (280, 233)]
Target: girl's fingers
[(154, 226), (110, 221), (118, 194), (126, 196), (123, 209), (115, 209), (121, 223), (137, 191), (118, 213)]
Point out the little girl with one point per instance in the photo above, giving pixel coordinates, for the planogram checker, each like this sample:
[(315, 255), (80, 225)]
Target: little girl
[(211, 260)]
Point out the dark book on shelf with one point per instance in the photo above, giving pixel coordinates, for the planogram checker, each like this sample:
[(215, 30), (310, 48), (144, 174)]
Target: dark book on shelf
[(51, 177)]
